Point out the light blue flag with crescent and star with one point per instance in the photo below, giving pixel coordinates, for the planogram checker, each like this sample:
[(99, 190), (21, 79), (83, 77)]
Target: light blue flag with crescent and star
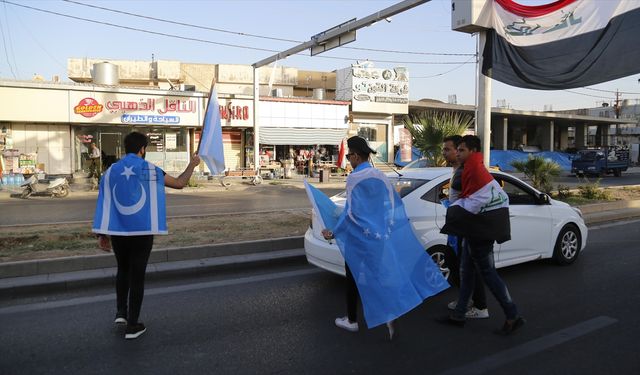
[(327, 212), (388, 263), (131, 200), (211, 149)]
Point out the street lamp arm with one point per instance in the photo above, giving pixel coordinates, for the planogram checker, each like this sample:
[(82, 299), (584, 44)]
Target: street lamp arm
[(345, 28)]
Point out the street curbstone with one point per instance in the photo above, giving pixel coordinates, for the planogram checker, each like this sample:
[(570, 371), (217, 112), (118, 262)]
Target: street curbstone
[(105, 261)]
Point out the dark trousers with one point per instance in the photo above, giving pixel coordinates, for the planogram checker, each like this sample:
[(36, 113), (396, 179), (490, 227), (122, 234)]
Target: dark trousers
[(477, 257), (132, 255), (479, 296), (352, 296)]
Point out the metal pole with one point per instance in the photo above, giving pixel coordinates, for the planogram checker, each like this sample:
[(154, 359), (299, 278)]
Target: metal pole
[(484, 103), (323, 38), (256, 131)]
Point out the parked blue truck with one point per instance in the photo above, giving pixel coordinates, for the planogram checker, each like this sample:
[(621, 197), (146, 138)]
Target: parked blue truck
[(601, 161)]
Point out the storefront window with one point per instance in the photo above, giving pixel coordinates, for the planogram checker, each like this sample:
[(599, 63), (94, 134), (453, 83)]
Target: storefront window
[(168, 148)]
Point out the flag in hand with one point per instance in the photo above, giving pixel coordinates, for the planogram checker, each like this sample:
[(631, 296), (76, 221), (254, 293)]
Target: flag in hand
[(211, 149), (342, 158)]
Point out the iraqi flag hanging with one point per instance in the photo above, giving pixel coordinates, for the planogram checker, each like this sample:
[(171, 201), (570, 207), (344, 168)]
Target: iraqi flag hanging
[(564, 44), (131, 200), (211, 149)]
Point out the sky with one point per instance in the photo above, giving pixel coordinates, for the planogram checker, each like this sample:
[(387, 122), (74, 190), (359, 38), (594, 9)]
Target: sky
[(440, 61)]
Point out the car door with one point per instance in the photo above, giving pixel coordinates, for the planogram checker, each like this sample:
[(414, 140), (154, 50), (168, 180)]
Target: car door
[(530, 220)]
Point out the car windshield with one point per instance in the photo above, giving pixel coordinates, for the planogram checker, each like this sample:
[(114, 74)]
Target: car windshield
[(402, 185), (419, 163), (588, 155)]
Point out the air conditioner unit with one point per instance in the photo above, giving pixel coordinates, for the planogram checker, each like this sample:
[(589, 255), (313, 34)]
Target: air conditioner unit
[(470, 16), (184, 87)]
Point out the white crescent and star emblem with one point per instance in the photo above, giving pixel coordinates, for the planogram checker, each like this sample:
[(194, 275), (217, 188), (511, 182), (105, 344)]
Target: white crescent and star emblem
[(129, 210)]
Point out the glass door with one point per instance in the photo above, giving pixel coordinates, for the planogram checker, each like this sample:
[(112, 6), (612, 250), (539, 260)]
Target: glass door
[(110, 148)]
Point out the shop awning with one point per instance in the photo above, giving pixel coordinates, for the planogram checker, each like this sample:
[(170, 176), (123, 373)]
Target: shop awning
[(301, 136)]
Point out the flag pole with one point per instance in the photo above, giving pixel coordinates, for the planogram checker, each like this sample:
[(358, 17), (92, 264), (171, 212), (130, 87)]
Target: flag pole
[(213, 83)]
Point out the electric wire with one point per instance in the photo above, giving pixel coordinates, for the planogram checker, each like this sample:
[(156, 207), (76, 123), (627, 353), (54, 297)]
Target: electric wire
[(254, 35), (224, 44)]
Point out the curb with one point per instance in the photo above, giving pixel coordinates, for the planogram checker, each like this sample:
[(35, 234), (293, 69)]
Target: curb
[(64, 282), (91, 262), (19, 279)]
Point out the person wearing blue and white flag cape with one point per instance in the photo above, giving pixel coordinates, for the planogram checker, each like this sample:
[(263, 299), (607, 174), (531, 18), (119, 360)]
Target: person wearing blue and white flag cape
[(384, 261), (129, 212)]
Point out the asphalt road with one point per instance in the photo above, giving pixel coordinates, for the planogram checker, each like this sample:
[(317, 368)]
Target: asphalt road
[(582, 319), (38, 210)]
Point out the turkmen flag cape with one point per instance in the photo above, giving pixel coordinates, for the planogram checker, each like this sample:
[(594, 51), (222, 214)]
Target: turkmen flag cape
[(392, 270), (565, 44), (482, 209), (131, 199)]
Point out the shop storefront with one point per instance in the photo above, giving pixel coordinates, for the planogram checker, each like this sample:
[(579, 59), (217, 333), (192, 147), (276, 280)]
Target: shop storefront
[(298, 130), (375, 95), (56, 128)]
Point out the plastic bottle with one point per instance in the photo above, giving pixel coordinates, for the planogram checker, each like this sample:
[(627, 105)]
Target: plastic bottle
[(19, 179), (11, 180)]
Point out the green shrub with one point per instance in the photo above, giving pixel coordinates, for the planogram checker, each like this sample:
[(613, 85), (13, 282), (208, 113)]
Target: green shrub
[(564, 192), (593, 191)]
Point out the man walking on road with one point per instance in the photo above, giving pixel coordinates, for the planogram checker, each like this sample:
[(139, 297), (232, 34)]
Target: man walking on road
[(478, 302), (481, 217), (131, 210), (384, 262)]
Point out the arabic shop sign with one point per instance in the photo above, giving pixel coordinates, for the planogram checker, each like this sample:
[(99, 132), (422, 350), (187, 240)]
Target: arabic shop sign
[(160, 106), (124, 108), (149, 119), (373, 89)]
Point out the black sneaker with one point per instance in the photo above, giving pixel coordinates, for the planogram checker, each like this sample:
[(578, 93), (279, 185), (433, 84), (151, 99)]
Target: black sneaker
[(121, 318), (509, 328), (134, 331)]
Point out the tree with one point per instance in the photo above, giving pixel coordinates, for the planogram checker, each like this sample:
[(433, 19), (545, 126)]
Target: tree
[(429, 129), (540, 171)]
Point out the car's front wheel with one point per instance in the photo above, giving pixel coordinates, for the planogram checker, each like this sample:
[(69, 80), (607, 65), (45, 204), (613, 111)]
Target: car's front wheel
[(567, 245), (446, 260)]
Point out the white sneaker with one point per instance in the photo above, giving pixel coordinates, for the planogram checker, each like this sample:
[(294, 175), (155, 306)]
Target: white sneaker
[(452, 305), (475, 313), (344, 323)]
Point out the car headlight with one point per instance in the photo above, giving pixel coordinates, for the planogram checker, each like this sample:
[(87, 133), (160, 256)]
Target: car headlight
[(577, 210)]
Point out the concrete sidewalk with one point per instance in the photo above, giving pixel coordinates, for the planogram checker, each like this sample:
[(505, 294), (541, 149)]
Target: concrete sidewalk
[(19, 279)]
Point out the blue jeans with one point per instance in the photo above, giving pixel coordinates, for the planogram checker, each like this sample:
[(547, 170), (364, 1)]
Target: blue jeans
[(477, 256)]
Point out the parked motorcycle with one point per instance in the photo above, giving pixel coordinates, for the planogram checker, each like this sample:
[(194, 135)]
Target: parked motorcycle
[(58, 188)]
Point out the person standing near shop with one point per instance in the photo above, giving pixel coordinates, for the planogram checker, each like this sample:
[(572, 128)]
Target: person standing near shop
[(130, 210), (385, 263), (481, 216), (94, 160), (478, 303)]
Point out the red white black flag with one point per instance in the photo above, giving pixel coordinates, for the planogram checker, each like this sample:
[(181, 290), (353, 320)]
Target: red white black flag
[(564, 44)]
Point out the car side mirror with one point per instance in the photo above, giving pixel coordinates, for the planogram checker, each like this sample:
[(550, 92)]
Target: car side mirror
[(543, 198)]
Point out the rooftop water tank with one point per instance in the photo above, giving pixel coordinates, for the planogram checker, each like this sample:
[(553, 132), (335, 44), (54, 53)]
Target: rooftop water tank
[(105, 73), (318, 94)]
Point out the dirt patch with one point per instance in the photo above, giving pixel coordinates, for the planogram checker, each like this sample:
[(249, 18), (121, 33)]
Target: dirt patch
[(52, 241)]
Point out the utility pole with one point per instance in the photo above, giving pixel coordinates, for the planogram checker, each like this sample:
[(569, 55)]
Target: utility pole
[(617, 109)]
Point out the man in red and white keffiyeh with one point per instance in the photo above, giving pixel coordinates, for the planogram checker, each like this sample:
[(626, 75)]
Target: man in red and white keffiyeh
[(481, 216)]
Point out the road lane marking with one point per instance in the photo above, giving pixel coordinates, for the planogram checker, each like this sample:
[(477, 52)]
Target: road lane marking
[(492, 362), (614, 224), (157, 291)]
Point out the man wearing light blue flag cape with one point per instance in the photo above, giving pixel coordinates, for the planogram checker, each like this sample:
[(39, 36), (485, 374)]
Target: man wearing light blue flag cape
[(382, 255), (129, 211)]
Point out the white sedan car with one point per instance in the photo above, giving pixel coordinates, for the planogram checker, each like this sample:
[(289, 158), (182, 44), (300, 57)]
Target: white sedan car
[(541, 227)]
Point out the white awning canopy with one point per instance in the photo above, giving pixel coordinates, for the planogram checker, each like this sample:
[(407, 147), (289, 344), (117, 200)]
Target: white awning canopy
[(301, 136)]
